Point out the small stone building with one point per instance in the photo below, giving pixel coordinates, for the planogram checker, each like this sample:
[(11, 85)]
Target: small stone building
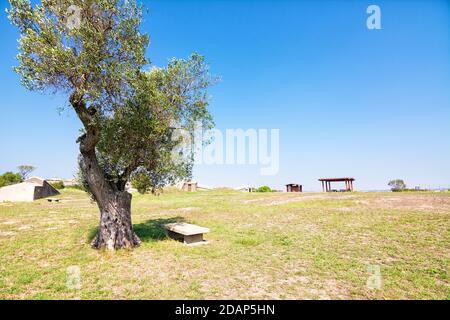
[(293, 187), (190, 186)]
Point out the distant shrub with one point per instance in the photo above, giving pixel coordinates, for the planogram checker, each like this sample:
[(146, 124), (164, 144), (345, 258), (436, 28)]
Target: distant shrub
[(9, 178), (397, 185), (57, 185), (264, 189)]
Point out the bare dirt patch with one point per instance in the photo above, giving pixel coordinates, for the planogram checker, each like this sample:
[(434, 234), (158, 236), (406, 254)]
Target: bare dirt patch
[(258, 285), (288, 198), (7, 233), (24, 227), (420, 202), (9, 222)]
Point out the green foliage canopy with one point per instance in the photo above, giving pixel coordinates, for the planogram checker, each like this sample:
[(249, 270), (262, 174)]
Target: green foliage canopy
[(97, 58), (142, 182), (129, 114), (9, 178), (264, 189)]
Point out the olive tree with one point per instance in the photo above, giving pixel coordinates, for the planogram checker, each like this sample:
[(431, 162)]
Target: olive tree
[(94, 52), (25, 170)]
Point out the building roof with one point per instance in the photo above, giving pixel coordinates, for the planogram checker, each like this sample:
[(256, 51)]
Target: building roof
[(37, 180), (31, 189), (336, 179)]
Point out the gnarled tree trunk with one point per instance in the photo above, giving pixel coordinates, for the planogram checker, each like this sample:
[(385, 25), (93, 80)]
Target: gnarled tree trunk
[(115, 228)]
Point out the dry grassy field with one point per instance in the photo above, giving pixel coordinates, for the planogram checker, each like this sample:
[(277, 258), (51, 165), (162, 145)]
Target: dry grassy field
[(262, 246)]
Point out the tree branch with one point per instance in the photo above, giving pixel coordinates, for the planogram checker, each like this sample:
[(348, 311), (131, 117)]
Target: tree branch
[(91, 137)]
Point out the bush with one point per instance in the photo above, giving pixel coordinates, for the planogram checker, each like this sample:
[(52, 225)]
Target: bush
[(57, 185), (264, 189), (9, 178), (397, 185)]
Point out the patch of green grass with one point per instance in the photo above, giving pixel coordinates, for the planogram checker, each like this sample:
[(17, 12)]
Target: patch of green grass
[(248, 241), (283, 240), (25, 278)]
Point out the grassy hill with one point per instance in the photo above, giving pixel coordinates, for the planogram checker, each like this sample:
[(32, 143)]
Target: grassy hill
[(262, 245)]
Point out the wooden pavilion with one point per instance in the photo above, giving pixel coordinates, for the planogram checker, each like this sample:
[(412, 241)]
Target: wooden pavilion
[(326, 183)]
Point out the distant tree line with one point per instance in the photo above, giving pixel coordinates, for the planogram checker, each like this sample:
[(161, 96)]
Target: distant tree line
[(398, 185)]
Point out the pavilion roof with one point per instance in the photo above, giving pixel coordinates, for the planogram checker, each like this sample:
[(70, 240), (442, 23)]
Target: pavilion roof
[(336, 179)]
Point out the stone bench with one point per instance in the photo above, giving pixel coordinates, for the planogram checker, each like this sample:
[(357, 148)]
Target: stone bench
[(189, 234)]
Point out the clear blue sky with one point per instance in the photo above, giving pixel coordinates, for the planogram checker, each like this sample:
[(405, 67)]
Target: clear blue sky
[(372, 104)]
